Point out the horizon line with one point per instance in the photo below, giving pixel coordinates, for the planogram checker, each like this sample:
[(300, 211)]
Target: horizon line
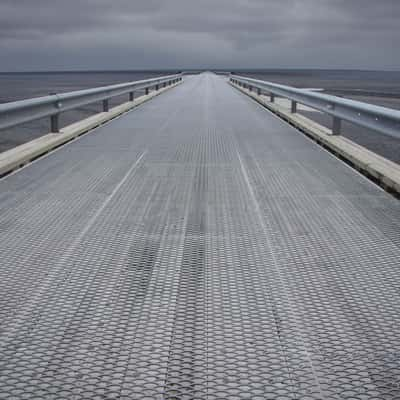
[(236, 69)]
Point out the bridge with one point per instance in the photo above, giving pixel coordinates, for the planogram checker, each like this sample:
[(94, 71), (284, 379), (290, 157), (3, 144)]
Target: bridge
[(195, 246)]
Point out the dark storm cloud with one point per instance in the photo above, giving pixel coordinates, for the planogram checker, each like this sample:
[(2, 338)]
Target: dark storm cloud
[(157, 33)]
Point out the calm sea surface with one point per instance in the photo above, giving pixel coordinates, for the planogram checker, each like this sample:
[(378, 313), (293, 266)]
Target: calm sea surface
[(18, 86), (376, 87), (381, 84)]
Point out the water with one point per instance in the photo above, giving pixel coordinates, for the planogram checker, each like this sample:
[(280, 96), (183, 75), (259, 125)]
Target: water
[(18, 86), (373, 84), (375, 87)]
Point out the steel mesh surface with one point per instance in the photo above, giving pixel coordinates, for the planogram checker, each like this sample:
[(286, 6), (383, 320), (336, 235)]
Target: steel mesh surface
[(197, 248)]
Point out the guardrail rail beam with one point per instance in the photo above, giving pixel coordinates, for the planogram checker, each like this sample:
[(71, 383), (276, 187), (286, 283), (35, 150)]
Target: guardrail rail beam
[(380, 119)]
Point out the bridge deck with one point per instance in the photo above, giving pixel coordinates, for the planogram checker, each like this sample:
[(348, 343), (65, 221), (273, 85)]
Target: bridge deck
[(197, 247)]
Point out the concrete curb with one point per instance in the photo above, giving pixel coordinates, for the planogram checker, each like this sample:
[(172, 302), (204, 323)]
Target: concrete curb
[(381, 170), (19, 156)]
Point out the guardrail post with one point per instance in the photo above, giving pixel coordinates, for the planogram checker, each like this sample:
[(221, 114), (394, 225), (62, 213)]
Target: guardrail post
[(131, 96), (54, 126), (293, 108), (105, 106), (250, 88), (272, 97), (336, 126), (147, 90), (156, 87), (259, 92)]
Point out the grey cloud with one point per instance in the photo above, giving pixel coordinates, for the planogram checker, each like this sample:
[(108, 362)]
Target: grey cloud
[(188, 33)]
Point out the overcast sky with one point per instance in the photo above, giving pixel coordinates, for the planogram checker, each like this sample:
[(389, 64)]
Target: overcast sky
[(137, 34)]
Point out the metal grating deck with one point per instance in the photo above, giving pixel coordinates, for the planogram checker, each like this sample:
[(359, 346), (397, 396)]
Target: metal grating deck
[(197, 248)]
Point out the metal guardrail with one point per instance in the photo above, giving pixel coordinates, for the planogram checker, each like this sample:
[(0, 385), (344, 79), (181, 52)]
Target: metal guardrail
[(380, 119), (19, 112)]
